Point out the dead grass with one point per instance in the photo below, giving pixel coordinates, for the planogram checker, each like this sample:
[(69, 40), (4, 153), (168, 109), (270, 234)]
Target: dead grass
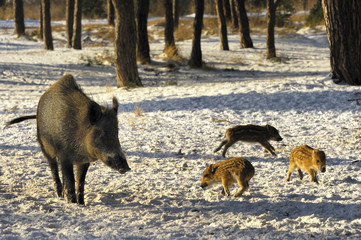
[(237, 61), (32, 11), (172, 54), (184, 31), (257, 22), (137, 120), (100, 31), (138, 111), (210, 27), (285, 31)]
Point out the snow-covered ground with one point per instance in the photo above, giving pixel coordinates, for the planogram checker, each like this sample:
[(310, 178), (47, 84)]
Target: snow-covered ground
[(169, 129)]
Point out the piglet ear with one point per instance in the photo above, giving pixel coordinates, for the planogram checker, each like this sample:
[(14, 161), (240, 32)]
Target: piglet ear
[(94, 113), (210, 168), (115, 104), (213, 169)]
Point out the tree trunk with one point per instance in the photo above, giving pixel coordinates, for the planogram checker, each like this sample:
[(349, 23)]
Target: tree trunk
[(142, 31), (169, 27), (125, 44), (244, 32), (176, 13), (110, 12), (19, 27), (343, 24), (77, 24), (69, 22), (48, 38), (222, 25), (234, 14), (40, 29), (196, 55), (227, 10), (304, 4), (270, 36)]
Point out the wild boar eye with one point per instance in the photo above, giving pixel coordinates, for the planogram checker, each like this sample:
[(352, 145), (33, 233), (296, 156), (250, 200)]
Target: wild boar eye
[(207, 175), (318, 161)]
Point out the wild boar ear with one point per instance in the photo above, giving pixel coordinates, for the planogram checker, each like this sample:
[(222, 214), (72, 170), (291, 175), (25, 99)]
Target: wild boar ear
[(213, 169), (210, 168), (115, 104), (94, 113)]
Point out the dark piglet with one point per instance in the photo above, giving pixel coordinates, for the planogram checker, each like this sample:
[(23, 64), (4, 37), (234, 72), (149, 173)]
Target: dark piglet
[(74, 131)]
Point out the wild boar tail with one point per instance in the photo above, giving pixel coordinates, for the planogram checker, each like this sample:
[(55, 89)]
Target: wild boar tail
[(20, 119)]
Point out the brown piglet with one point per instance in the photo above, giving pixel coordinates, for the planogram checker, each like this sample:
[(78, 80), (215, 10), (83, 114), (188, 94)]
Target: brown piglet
[(228, 172), (250, 134), (309, 159)]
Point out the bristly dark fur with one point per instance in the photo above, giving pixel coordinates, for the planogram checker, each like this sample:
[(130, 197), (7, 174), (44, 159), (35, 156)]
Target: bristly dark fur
[(74, 131)]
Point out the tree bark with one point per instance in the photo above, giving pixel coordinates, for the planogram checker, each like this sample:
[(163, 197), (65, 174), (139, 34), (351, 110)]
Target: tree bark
[(69, 22), (244, 32), (196, 55), (169, 26), (48, 38), (142, 40), (19, 26), (40, 28), (77, 24), (176, 13), (110, 12), (227, 10), (343, 24), (270, 36), (222, 25), (125, 44), (234, 14)]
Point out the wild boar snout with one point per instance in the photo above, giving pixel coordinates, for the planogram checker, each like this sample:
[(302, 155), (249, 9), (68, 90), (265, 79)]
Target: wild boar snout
[(118, 163), (279, 138), (204, 185), (323, 169)]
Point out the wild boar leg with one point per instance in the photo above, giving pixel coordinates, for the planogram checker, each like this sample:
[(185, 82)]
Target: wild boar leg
[(81, 171), (51, 159), (68, 180), (228, 145), (268, 147), (313, 176), (220, 145), (290, 170), (300, 173), (55, 174), (244, 186), (225, 184)]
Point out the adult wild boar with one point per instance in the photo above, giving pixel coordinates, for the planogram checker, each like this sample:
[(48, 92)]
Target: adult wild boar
[(74, 131)]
